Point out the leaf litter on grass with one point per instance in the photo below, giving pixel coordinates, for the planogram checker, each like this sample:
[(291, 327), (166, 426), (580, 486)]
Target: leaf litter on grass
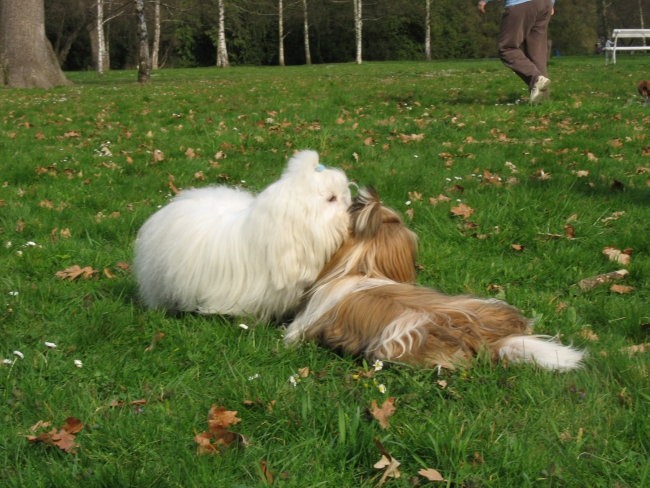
[(64, 438), (219, 436)]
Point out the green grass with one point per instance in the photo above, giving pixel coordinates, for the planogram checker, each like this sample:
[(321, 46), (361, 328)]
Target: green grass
[(490, 426)]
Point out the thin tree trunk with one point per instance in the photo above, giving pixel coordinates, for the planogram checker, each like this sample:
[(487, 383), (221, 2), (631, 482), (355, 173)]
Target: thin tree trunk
[(358, 29), (605, 6), (156, 35), (427, 31), (222, 52), (306, 31), (101, 39), (280, 33), (144, 61), (641, 22)]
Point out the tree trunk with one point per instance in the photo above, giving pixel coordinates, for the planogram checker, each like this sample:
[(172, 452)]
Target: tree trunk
[(641, 22), (306, 32), (427, 31), (358, 28), (222, 52), (102, 62), (280, 33), (156, 35), (144, 61), (604, 5), (27, 59)]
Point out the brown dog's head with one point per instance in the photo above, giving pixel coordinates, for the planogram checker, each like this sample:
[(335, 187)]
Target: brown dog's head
[(644, 88), (379, 244)]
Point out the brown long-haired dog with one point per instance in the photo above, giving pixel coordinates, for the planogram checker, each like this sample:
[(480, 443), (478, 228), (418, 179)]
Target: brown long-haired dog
[(365, 302), (644, 91)]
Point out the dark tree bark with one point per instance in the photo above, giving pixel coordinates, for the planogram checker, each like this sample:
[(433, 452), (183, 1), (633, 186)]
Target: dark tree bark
[(27, 59)]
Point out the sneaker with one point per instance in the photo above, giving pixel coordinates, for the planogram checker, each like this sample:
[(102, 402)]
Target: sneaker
[(540, 89)]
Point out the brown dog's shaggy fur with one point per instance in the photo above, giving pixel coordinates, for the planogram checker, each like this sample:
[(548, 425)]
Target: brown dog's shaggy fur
[(644, 90), (365, 302)]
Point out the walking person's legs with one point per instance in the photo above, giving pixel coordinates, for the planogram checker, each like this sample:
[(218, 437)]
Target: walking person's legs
[(526, 24)]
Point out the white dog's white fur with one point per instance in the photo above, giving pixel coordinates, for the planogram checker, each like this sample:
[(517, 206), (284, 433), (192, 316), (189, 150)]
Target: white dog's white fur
[(220, 250)]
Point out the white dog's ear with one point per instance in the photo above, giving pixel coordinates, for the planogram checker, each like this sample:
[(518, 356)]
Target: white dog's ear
[(303, 161)]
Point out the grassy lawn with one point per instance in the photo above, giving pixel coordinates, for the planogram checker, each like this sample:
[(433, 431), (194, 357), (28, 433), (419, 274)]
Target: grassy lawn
[(550, 187)]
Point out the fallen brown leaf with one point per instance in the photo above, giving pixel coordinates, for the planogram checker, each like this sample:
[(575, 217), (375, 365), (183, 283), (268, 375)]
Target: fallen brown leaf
[(218, 436), (569, 231), (387, 463), (267, 476), (431, 474), (382, 414), (75, 271), (462, 210), (621, 289), (617, 255), (157, 337), (64, 438), (636, 349)]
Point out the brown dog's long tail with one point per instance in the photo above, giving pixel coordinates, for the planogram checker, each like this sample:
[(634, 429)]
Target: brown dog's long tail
[(541, 350)]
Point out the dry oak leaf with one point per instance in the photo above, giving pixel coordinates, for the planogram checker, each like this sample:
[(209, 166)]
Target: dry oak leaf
[(637, 348), (440, 198), (616, 255), (621, 289), (64, 438), (382, 414), (462, 210), (76, 271), (406, 138), (218, 437), (388, 463), (431, 474)]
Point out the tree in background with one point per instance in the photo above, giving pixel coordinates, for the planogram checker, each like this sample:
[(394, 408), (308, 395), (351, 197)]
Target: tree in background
[(323, 31), (305, 29), (155, 47), (358, 29), (280, 33), (27, 59), (222, 51), (144, 60)]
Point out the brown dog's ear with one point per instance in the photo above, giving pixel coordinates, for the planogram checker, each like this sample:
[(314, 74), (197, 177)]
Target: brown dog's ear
[(366, 213)]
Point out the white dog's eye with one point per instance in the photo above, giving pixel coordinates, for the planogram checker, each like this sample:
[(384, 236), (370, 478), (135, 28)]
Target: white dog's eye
[(332, 198)]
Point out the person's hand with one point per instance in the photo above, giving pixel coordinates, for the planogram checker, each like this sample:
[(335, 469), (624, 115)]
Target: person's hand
[(481, 6)]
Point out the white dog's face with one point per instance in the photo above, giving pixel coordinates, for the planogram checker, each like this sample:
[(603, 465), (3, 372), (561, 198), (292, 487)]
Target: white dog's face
[(334, 190)]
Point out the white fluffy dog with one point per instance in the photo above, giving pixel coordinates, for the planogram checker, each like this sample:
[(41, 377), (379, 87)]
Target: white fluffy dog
[(220, 250)]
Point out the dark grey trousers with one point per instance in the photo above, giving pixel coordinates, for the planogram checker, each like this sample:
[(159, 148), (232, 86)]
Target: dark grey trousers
[(523, 45)]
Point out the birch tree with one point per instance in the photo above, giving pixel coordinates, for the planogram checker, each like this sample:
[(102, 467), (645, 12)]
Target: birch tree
[(155, 48), (144, 61), (222, 52), (280, 33), (427, 30), (358, 29), (27, 59), (306, 32), (103, 60)]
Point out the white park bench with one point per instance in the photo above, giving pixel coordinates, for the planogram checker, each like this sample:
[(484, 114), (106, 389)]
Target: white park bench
[(612, 45)]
